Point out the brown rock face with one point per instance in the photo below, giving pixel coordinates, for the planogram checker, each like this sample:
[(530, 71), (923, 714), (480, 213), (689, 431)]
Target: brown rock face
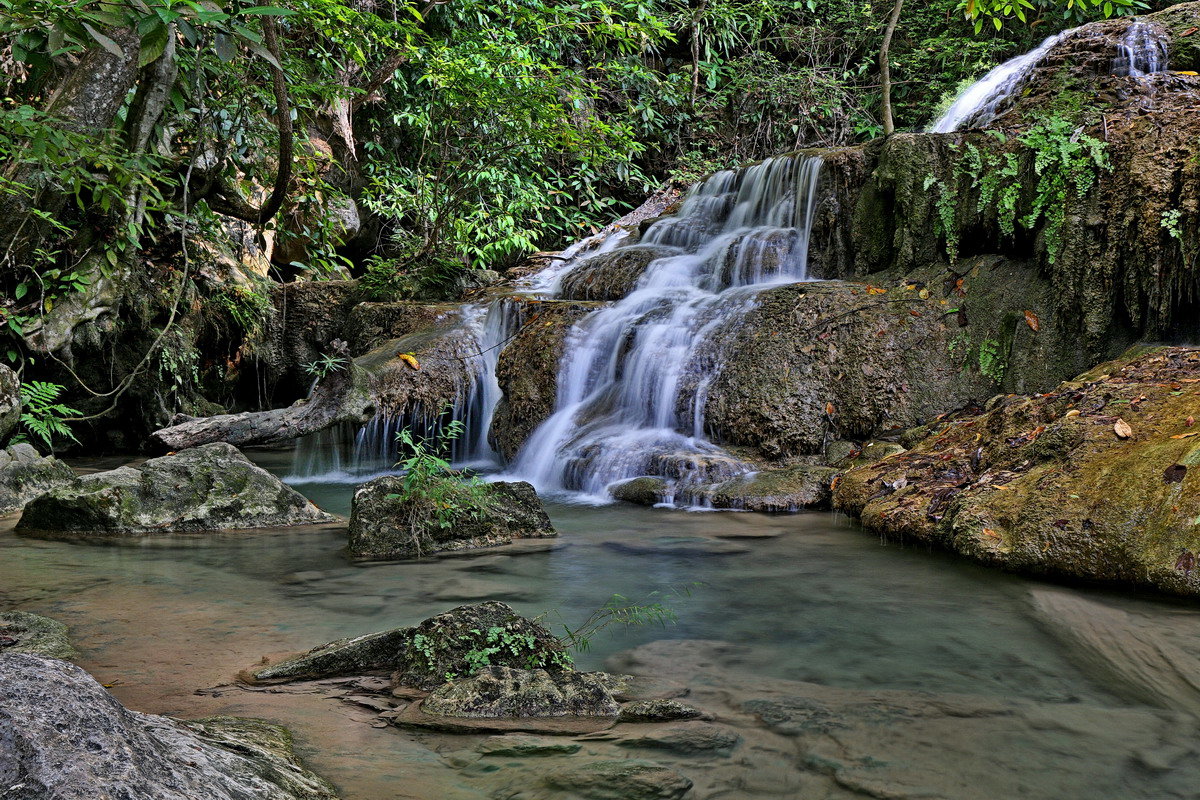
[(1092, 480)]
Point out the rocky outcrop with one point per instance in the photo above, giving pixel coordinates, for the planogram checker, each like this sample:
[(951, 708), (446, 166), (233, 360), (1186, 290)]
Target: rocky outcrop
[(622, 779), (384, 524), (207, 488), (455, 643), (505, 692), (527, 371), (612, 275), (10, 402), (66, 737), (21, 632), (1090, 481), (25, 474)]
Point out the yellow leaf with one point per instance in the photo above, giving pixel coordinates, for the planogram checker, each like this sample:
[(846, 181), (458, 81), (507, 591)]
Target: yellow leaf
[(410, 359)]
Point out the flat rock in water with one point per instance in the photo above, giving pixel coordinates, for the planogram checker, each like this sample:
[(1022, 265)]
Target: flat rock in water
[(663, 710), (504, 692), (414, 717), (620, 780), (66, 737), (29, 633), (522, 746), (691, 739), (208, 488)]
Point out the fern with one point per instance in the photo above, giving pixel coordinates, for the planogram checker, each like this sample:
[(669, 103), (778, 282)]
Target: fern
[(42, 416)]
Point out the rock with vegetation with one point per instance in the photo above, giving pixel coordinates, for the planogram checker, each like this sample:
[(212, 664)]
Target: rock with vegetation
[(10, 402), (1090, 481), (387, 520), (465, 639), (455, 643), (612, 275), (21, 632), (207, 488), (66, 737), (26, 474), (505, 692)]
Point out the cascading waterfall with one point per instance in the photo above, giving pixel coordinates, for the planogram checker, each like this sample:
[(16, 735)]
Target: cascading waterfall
[(633, 378), (977, 106), (1142, 51)]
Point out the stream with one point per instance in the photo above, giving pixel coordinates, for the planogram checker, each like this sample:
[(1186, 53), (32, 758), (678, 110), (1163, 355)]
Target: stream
[(768, 606)]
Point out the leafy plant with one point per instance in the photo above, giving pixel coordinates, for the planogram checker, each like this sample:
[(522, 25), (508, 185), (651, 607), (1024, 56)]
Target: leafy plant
[(42, 415), (1067, 163), (620, 611), (325, 365)]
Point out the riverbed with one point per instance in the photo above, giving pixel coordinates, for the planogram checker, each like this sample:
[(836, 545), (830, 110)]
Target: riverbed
[(1067, 691)]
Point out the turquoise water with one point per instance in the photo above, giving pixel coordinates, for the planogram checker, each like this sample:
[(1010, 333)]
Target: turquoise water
[(806, 597)]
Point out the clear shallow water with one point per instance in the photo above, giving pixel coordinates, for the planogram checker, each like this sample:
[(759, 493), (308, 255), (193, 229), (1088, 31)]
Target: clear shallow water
[(805, 598)]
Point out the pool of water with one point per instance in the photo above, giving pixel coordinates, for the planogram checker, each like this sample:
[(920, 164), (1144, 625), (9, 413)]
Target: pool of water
[(802, 598)]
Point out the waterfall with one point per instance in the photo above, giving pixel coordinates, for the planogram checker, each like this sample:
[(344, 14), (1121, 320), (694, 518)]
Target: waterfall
[(353, 454), (977, 106), (633, 378), (1141, 51)]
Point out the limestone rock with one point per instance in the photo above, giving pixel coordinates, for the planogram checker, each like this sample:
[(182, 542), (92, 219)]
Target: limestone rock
[(1044, 484), (66, 737), (620, 780), (504, 692), (658, 711), (213, 487), (25, 474), (524, 746), (440, 645), (352, 656), (645, 491), (382, 525), (686, 740), (21, 632), (10, 402)]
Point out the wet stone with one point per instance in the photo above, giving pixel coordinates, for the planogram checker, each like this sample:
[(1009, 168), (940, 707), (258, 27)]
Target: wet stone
[(690, 740), (524, 746), (620, 780), (658, 711)]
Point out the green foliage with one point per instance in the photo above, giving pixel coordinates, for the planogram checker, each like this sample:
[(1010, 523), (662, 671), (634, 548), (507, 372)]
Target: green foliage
[(946, 220), (992, 362), (620, 611), (520, 648), (434, 496), (1067, 163), (1077, 11), (246, 306), (325, 365), (42, 416)]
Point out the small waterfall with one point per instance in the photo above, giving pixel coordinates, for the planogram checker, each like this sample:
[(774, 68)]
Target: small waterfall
[(634, 376), (1142, 51), (352, 454), (977, 106)]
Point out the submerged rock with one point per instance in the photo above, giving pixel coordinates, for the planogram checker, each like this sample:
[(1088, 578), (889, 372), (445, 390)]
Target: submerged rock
[(213, 487), (21, 632), (66, 737), (352, 656), (663, 710), (692, 739), (383, 525), (1093, 480), (25, 474), (620, 780), (504, 692), (788, 489)]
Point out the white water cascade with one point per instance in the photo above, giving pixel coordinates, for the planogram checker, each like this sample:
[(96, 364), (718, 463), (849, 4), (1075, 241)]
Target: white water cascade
[(1142, 51), (977, 106), (633, 380)]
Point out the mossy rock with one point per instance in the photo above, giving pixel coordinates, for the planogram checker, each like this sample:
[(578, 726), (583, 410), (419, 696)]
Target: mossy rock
[(21, 632), (1055, 484), (26, 474)]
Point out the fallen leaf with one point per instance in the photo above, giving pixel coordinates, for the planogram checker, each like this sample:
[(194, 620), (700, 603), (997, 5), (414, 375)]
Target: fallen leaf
[(1031, 319), (923, 294), (914, 313), (1121, 429), (991, 533), (1190, 421), (1074, 412), (834, 483), (410, 359), (1186, 435), (1189, 31), (875, 290), (1174, 473), (829, 409)]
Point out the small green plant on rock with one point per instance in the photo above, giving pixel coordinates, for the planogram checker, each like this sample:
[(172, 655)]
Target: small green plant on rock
[(325, 365)]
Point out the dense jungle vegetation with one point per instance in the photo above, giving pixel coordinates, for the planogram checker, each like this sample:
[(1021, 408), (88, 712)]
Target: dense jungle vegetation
[(148, 145)]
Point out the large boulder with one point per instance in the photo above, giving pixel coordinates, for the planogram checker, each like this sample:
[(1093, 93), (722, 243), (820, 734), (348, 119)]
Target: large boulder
[(451, 645), (65, 737), (213, 487), (1095, 480), (26, 474), (385, 525), (505, 692), (10, 402)]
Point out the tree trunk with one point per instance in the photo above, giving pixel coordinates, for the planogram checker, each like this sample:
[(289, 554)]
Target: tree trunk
[(885, 70)]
